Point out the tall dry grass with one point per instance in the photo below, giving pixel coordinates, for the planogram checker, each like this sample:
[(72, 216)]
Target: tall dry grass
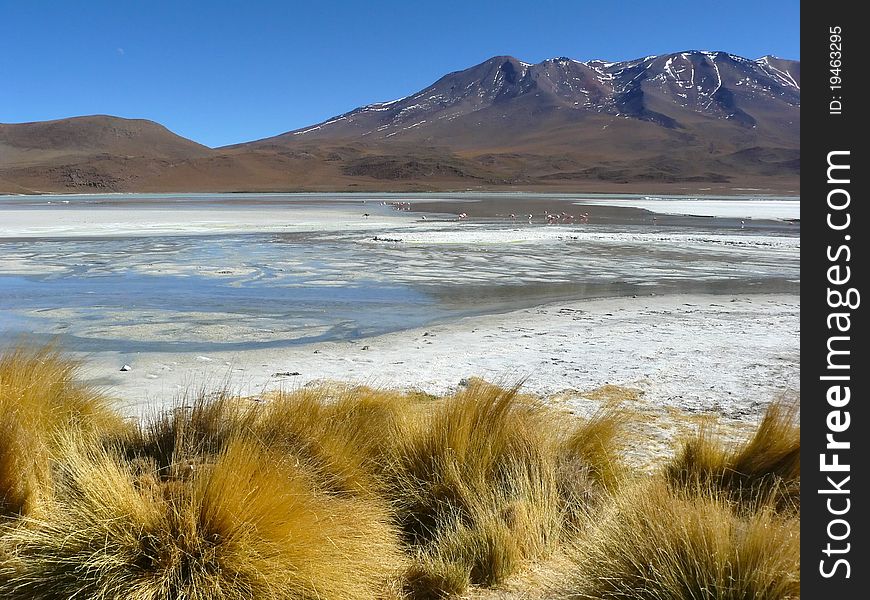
[(477, 482), (764, 469), (360, 493), (246, 525), (657, 543), (196, 428), (20, 477), (593, 444), (40, 397), (589, 467), (343, 435), (480, 488)]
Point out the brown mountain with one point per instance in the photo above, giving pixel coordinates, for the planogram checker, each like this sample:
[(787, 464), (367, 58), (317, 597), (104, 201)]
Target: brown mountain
[(678, 122), (96, 152)]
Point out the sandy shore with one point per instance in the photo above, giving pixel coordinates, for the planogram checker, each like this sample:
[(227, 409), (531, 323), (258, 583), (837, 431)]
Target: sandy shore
[(137, 222), (720, 354)]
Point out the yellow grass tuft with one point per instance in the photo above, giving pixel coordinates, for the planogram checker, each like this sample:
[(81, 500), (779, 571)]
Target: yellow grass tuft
[(342, 436), (764, 469), (197, 428), (353, 492), (18, 475), (247, 525), (656, 544), (593, 445), (474, 486), (40, 397)]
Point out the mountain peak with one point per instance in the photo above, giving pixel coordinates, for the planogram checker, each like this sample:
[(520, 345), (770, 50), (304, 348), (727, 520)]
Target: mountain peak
[(695, 119), (667, 89)]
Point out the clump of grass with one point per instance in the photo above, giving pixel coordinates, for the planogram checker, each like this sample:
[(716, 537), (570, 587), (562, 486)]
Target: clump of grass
[(377, 419), (197, 428), (333, 492), (437, 575), (245, 525), (16, 473), (340, 435), (765, 469), (40, 397), (474, 488), (588, 467), (42, 387), (343, 437), (502, 533), (662, 544), (593, 444)]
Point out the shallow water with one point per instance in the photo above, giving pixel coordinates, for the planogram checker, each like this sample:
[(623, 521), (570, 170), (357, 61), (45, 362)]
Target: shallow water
[(275, 288)]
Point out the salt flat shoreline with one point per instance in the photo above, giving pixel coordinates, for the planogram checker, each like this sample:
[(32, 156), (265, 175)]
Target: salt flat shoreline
[(138, 222), (720, 354), (221, 214)]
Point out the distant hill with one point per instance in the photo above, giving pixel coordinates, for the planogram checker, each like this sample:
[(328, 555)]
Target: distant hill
[(689, 121), (99, 152), (83, 136)]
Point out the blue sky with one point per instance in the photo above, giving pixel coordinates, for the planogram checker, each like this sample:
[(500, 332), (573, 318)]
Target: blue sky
[(223, 71)]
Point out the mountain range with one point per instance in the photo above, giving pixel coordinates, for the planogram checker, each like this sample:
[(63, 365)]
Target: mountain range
[(683, 122)]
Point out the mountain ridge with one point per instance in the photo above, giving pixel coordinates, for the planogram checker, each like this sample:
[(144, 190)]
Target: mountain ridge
[(598, 69), (689, 120)]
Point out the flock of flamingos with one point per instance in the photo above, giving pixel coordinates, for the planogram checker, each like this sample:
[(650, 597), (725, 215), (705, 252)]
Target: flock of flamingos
[(551, 219)]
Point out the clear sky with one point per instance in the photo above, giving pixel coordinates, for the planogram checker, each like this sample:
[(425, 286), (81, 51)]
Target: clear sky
[(223, 71)]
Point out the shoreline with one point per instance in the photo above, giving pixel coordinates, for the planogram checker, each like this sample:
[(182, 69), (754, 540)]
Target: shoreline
[(216, 216), (512, 191), (665, 347)]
